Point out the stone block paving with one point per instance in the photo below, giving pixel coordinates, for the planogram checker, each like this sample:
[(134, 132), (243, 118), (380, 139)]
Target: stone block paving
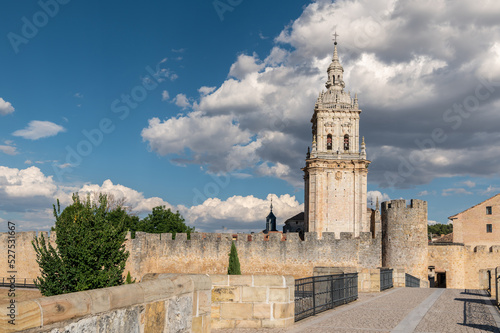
[(406, 309)]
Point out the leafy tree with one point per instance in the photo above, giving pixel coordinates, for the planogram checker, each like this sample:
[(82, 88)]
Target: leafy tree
[(234, 262), (163, 220), (90, 251), (440, 229)]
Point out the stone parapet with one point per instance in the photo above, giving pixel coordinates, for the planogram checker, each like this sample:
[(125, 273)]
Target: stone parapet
[(252, 301), (172, 303), (208, 253), (398, 278)]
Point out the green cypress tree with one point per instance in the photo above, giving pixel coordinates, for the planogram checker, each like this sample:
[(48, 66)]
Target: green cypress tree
[(90, 251), (129, 280), (234, 262)]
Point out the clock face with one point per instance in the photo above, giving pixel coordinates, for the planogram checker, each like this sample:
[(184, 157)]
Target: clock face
[(338, 175)]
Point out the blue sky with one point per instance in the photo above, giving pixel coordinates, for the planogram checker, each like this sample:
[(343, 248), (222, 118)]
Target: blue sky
[(205, 108)]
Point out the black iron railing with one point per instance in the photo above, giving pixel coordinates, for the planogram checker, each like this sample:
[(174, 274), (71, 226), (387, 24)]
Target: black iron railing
[(385, 279), (411, 281), (18, 283), (320, 293), (497, 286)]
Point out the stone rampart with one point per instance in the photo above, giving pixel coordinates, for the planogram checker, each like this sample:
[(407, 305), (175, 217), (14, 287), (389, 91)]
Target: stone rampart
[(463, 264), (179, 303), (209, 253), (26, 265)]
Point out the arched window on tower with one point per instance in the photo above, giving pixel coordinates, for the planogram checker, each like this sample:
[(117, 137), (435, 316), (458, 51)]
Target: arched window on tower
[(333, 79), (346, 142), (329, 142)]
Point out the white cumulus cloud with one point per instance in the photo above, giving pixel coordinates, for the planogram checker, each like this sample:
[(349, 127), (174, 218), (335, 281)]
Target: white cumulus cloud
[(182, 101), (165, 95), (5, 107), (30, 193), (373, 196), (9, 150), (37, 129), (240, 214)]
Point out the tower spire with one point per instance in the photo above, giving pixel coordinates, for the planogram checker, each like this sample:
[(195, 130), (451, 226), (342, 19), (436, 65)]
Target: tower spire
[(271, 204), (335, 54), (335, 70)]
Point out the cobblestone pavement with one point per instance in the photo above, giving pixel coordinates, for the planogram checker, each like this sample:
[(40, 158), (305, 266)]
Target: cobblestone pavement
[(403, 310), (459, 310)]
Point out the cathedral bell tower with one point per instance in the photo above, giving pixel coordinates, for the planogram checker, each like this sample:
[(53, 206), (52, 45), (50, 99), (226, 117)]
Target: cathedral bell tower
[(336, 167)]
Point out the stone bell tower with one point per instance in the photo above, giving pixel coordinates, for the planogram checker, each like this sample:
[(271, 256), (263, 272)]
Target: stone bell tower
[(336, 167)]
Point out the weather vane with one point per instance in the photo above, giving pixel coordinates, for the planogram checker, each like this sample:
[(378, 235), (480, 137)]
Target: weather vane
[(335, 35)]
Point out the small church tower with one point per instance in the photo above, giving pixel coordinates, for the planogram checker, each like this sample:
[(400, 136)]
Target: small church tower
[(336, 167), (270, 220)]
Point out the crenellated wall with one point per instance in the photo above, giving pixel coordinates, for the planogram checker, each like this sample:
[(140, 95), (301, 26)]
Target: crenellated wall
[(208, 253), (463, 264)]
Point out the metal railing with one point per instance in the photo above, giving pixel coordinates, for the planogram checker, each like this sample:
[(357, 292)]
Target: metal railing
[(18, 283), (320, 293), (497, 286), (411, 281), (385, 279)]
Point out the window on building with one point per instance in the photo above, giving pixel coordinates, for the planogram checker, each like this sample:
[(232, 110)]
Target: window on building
[(346, 142), (488, 210), (489, 228), (329, 142)]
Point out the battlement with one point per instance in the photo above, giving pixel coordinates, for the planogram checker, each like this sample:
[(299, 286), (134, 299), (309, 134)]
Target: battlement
[(484, 249), (292, 237), (468, 248), (207, 253), (401, 203)]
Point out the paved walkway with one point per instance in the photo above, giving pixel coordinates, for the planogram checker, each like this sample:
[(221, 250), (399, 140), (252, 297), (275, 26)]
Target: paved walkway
[(403, 310)]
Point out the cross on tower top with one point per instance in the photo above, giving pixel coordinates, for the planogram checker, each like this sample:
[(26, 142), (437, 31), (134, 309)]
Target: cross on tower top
[(335, 35)]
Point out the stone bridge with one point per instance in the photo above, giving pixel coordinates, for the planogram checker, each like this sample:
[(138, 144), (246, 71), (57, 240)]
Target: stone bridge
[(404, 310)]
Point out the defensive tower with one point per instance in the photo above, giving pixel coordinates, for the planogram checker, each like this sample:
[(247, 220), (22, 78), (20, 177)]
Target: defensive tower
[(404, 236)]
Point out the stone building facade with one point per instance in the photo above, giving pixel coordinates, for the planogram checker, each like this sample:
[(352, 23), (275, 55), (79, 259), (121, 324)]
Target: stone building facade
[(336, 167), (478, 225), (474, 250)]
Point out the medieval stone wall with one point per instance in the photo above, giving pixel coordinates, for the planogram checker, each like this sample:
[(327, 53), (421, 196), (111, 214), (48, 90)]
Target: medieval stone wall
[(404, 242), (209, 253), (463, 264), (26, 265)]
